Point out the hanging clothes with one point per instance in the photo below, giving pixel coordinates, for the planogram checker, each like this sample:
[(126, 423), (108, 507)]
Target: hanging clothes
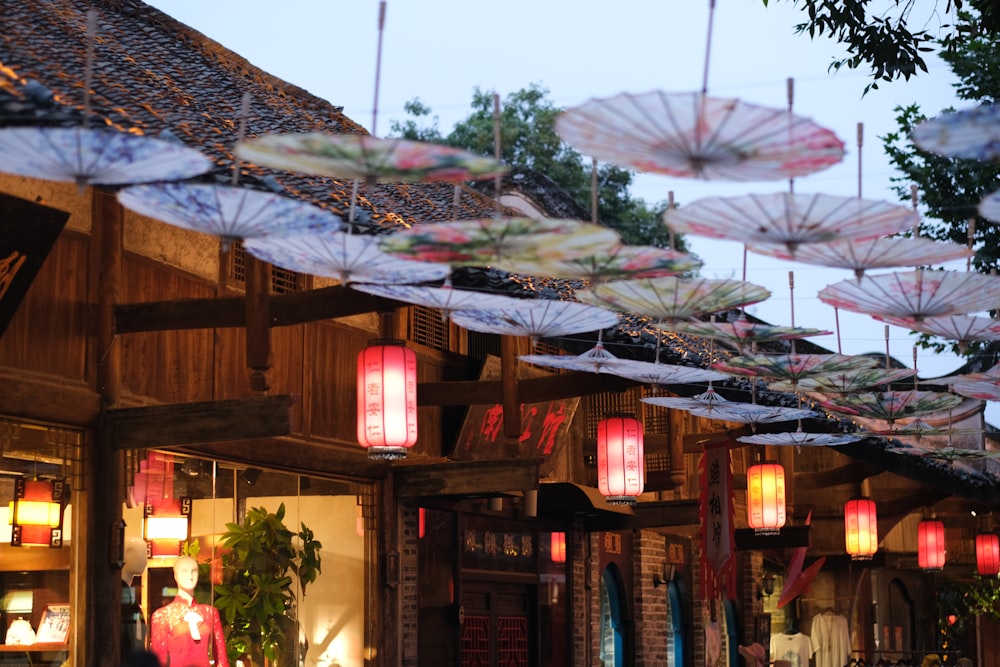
[(831, 638), (795, 647)]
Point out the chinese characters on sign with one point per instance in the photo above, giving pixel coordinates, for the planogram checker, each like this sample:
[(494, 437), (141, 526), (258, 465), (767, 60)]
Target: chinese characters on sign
[(716, 511), (500, 545)]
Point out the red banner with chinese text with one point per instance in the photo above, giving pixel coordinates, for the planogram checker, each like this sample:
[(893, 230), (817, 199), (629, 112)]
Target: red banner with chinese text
[(718, 536)]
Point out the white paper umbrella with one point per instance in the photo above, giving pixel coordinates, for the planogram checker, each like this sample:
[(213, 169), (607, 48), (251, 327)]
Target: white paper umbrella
[(672, 298), (915, 294), (973, 134), (346, 257), (446, 298), (862, 255), (592, 361), (537, 318), (694, 135), (613, 263), (799, 438), (989, 207), (789, 219), (963, 329), (103, 157), (228, 212), (656, 373)]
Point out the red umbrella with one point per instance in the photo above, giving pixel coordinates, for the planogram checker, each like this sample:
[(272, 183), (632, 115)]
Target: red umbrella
[(797, 580)]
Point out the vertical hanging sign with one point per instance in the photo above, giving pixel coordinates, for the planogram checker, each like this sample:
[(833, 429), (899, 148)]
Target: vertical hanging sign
[(718, 541)]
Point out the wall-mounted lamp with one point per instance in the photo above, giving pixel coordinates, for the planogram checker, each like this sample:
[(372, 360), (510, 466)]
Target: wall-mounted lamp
[(251, 475), (766, 586), (669, 570)]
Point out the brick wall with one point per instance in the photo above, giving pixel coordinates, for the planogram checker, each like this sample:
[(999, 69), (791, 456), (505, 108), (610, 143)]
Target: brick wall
[(651, 621)]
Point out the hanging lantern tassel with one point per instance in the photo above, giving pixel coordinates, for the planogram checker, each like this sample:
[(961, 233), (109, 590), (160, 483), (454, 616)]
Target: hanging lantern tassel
[(987, 554), (861, 528), (620, 467), (766, 498), (930, 545), (387, 399)]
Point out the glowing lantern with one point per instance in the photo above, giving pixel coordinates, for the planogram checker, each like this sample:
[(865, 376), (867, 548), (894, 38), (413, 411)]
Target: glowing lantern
[(387, 399), (359, 522), (766, 498), (166, 524), (987, 554), (861, 528), (36, 512), (558, 547), (930, 545), (620, 469), (421, 522)]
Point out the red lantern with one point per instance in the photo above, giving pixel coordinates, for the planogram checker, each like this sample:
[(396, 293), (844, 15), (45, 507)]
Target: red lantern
[(421, 523), (766, 498), (558, 547), (620, 469), (387, 399), (861, 528), (166, 525), (987, 554), (36, 512), (930, 545)]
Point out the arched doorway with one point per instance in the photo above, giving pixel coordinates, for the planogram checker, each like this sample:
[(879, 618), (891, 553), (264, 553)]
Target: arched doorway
[(675, 626), (612, 647)]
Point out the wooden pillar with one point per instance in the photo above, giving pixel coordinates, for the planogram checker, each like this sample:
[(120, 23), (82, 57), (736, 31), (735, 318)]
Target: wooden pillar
[(103, 481), (258, 328), (508, 387)]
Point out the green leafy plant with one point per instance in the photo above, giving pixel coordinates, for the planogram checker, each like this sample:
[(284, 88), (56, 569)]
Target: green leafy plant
[(257, 596)]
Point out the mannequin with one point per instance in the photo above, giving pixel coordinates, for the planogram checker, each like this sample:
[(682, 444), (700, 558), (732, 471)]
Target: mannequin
[(185, 633), (133, 630)]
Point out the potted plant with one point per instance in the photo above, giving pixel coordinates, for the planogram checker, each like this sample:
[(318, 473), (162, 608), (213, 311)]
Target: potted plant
[(257, 596)]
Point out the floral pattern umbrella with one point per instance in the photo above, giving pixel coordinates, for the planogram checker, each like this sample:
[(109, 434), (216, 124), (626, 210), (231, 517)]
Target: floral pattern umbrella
[(446, 299), (791, 367), (228, 212), (844, 382), (990, 375), (891, 405), (862, 255), (948, 454), (973, 134), (789, 219), (614, 263), (673, 298), (961, 328), (982, 390), (694, 135), (344, 256), (916, 295), (537, 318), (741, 331), (367, 158), (800, 438), (99, 156), (919, 429), (490, 241)]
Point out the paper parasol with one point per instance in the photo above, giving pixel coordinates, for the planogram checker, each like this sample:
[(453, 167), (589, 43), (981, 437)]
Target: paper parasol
[(740, 331), (344, 256), (989, 375), (649, 372), (972, 134), (989, 207), (228, 212), (491, 240), (791, 367), (845, 382), (693, 135), (891, 405), (592, 361), (100, 156), (960, 328), (982, 390), (367, 158), (537, 318), (948, 454), (862, 255), (799, 583), (800, 438), (919, 429), (713, 406), (672, 298), (789, 219), (446, 299), (615, 263), (915, 294), (704, 401)]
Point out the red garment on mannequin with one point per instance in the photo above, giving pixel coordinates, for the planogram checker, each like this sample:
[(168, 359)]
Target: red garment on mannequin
[(171, 641)]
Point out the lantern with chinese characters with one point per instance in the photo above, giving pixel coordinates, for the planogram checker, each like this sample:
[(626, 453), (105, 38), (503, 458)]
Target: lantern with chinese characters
[(36, 512), (766, 498), (166, 525), (861, 528), (987, 554), (930, 545), (387, 399), (620, 468), (558, 547)]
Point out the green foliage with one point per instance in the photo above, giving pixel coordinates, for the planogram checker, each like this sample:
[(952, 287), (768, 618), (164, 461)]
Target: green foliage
[(950, 189), (257, 598), (529, 140), (882, 40)]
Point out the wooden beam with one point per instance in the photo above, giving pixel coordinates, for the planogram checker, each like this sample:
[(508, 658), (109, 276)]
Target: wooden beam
[(530, 390), (227, 312), (48, 399), (295, 455), (695, 442), (190, 423), (465, 478), (852, 472), (788, 537), (664, 514)]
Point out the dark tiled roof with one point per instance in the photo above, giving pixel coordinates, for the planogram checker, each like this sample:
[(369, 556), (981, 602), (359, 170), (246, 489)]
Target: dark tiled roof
[(154, 75)]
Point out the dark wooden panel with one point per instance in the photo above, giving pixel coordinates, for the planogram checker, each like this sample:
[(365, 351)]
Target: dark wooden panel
[(48, 332), (168, 366), (331, 357)]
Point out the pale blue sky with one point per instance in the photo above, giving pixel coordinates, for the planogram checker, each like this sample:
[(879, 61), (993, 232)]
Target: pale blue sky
[(439, 50)]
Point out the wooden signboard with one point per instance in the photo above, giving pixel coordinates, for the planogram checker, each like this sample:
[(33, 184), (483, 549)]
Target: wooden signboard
[(27, 233)]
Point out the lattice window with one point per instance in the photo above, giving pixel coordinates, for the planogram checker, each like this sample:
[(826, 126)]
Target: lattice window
[(655, 419), (598, 406), (428, 327), (482, 345), (545, 348), (283, 281)]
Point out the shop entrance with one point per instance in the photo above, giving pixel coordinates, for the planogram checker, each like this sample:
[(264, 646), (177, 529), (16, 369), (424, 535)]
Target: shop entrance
[(497, 625)]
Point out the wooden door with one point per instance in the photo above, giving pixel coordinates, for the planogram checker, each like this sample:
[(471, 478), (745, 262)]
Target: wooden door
[(498, 626)]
